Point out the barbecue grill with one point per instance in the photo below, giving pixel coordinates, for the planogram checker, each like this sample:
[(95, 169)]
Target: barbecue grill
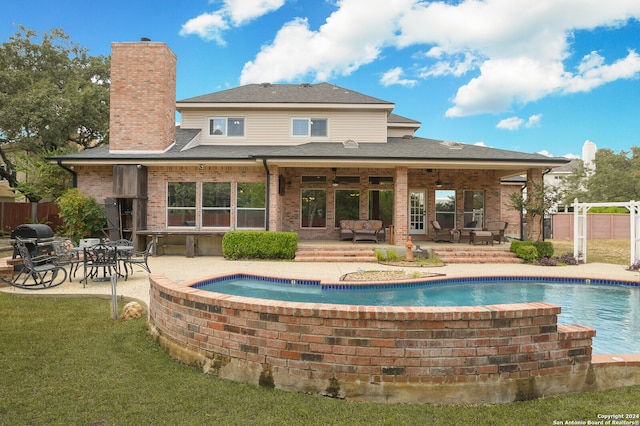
[(38, 238)]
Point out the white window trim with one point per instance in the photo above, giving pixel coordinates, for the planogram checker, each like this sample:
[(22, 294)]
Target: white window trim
[(226, 128), (309, 121)]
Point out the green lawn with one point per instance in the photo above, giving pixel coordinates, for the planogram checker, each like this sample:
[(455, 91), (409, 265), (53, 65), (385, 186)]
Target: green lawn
[(64, 362), (615, 252)]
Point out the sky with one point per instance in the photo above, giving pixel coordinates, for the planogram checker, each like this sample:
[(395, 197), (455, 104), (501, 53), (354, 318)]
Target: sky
[(528, 75)]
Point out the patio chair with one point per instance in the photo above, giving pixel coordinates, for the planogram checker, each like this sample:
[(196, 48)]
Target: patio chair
[(442, 234), (139, 258), (67, 254), (99, 258), (497, 229), (37, 272)]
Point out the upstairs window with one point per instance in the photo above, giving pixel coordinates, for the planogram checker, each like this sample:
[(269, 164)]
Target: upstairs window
[(314, 127), (226, 126)]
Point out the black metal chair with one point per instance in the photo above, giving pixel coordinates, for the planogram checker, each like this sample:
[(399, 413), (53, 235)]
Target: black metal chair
[(99, 258), (36, 272), (139, 258), (67, 254)]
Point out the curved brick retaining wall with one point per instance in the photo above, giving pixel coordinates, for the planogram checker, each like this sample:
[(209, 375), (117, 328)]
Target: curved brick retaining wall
[(452, 355)]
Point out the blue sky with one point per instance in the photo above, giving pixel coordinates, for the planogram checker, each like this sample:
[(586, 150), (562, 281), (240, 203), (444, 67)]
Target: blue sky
[(526, 75)]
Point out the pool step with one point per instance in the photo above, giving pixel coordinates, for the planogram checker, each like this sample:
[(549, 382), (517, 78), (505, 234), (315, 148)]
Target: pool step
[(460, 253), (335, 254)]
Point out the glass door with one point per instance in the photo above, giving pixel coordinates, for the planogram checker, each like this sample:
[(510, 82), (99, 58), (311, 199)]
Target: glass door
[(417, 213)]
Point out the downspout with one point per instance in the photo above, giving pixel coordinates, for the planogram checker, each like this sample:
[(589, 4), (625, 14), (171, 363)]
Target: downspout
[(74, 179), (266, 168)]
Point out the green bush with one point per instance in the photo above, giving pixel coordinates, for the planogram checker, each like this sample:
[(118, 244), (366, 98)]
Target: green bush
[(82, 215), (528, 253), (545, 248), (609, 209), (516, 244), (259, 245)]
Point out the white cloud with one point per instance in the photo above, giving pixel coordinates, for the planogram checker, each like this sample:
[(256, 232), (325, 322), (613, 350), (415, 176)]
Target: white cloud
[(393, 76), (352, 36), (514, 123), (210, 26), (506, 53), (534, 121), (516, 50), (511, 123)]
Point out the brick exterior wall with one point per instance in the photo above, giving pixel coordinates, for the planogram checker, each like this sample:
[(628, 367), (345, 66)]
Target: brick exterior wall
[(143, 97), (492, 354), (285, 209)]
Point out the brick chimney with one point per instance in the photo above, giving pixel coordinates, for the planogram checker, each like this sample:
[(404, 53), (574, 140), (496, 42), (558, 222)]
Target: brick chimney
[(143, 97)]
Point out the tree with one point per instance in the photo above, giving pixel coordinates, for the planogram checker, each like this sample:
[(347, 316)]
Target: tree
[(53, 95), (535, 203), (616, 178), (42, 180)]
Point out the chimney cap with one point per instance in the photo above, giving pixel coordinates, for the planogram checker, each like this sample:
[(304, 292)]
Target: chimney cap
[(145, 39)]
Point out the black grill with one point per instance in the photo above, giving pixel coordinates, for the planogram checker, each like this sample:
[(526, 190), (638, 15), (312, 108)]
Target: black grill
[(38, 238)]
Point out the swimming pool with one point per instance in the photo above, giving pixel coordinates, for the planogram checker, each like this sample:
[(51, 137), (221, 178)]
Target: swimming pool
[(612, 308)]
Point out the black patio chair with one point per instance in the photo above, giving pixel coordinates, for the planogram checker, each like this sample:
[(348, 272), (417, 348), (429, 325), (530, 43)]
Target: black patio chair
[(36, 272), (99, 258), (139, 258), (67, 254)]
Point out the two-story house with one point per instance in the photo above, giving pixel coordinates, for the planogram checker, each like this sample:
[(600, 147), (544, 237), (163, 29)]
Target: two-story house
[(279, 157)]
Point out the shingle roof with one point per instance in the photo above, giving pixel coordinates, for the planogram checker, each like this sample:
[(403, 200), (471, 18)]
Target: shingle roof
[(323, 93), (397, 148)]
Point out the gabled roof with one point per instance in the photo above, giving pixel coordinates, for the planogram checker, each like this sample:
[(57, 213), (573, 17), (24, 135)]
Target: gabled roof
[(321, 93), (408, 151)]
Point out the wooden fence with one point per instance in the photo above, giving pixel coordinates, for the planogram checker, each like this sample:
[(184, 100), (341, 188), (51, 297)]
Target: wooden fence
[(600, 226), (14, 214)]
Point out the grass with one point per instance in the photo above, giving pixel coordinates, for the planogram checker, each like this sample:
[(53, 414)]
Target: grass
[(598, 251), (65, 362)]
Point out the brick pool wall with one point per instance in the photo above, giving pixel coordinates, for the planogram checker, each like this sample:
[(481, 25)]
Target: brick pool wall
[(487, 354)]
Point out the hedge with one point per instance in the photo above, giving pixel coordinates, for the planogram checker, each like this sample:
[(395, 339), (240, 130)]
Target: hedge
[(259, 245)]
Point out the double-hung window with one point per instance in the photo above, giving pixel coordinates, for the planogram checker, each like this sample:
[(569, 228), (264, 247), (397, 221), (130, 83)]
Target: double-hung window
[(314, 127), (181, 204), (226, 126), (216, 204), (250, 205)]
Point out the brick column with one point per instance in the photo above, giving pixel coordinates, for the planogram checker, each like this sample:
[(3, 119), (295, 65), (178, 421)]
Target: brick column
[(275, 199), (401, 209)]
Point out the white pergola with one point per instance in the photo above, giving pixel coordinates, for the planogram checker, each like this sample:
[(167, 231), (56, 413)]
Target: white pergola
[(580, 227)]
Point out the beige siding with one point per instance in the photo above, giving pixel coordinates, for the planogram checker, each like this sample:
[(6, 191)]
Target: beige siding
[(273, 127)]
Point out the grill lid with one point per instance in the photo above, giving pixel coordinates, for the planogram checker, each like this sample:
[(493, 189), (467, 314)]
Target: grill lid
[(32, 231)]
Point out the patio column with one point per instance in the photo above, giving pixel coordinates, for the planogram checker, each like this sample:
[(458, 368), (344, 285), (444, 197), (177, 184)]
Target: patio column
[(400, 207), (275, 224), (534, 185)]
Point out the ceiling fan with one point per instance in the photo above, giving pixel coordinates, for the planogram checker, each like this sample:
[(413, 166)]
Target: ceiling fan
[(439, 183), (335, 181)]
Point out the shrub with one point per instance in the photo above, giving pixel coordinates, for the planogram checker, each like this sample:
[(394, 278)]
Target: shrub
[(82, 215), (528, 253), (259, 245), (392, 255), (568, 259), (545, 248), (548, 261), (635, 266)]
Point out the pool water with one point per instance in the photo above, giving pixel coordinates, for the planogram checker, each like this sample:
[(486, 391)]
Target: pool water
[(613, 310)]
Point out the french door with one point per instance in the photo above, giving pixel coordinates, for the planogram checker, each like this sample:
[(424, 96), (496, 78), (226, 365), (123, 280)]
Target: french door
[(417, 213)]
